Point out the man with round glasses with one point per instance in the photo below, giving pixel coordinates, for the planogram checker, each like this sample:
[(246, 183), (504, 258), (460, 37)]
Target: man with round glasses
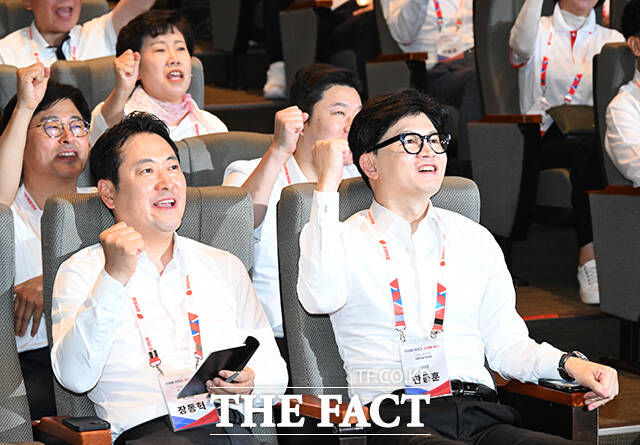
[(435, 288), (44, 142)]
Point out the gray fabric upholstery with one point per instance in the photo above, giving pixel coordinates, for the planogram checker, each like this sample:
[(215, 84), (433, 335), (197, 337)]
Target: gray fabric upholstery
[(615, 221), (218, 216), (96, 78), (7, 83), (613, 67), (15, 420), (298, 52), (315, 363), (225, 22), (14, 16), (616, 7), (203, 159)]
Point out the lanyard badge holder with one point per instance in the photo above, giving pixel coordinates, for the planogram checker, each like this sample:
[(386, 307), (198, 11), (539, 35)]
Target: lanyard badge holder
[(448, 43)]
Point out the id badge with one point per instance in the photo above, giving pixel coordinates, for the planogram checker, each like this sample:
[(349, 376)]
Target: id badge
[(540, 107), (424, 367), (186, 412), (448, 45)]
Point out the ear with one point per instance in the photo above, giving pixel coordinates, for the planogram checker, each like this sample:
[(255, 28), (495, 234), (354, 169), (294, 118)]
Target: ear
[(634, 44), (27, 4), (107, 191), (367, 163)]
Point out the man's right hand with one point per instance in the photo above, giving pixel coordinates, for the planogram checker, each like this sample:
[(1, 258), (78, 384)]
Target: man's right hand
[(32, 84), (121, 245), (126, 67), (287, 128)]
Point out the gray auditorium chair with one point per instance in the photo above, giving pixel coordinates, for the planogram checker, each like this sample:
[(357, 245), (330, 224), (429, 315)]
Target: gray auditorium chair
[(8, 84), (203, 159), (499, 143), (615, 214), (96, 78), (14, 16), (315, 362), (218, 216), (616, 7)]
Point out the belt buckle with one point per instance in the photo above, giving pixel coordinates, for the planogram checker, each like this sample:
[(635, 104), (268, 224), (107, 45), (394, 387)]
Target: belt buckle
[(469, 389)]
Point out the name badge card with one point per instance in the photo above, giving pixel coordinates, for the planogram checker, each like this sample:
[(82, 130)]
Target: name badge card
[(540, 107), (186, 412), (448, 45), (424, 367)]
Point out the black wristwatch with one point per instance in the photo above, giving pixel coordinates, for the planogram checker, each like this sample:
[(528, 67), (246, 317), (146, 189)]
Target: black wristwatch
[(563, 372)]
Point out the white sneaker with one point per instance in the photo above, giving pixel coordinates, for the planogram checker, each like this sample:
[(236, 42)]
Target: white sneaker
[(588, 280), (276, 85)]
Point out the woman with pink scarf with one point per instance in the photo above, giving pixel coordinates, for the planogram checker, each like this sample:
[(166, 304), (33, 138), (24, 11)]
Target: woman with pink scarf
[(153, 74)]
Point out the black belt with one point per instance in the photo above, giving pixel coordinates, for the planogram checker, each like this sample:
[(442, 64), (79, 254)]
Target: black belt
[(467, 389)]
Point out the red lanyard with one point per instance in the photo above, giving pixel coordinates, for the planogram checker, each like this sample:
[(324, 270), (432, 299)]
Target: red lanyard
[(34, 48), (286, 173), (398, 310), (568, 98), (194, 325), (31, 203), (637, 83), (440, 18)]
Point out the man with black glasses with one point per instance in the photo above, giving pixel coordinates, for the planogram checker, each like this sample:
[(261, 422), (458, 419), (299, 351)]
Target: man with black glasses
[(44, 141), (434, 286)]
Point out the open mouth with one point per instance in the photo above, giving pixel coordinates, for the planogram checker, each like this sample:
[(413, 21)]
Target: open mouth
[(64, 13), (175, 75), (428, 169), (67, 155), (167, 203)]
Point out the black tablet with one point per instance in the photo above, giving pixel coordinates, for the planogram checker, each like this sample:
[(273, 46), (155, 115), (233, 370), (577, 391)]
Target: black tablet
[(232, 359)]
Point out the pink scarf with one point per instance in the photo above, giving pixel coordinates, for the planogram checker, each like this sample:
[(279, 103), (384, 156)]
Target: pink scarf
[(171, 114)]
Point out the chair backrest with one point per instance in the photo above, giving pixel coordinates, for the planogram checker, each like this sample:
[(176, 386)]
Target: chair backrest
[(14, 16), (203, 159), (616, 8), (388, 44), (218, 216), (15, 420), (8, 85), (96, 78), (613, 67), (315, 362)]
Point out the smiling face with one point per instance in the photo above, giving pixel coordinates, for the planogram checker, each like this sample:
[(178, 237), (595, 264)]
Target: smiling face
[(399, 175), (62, 157), (151, 192), (54, 16), (165, 66), (578, 7)]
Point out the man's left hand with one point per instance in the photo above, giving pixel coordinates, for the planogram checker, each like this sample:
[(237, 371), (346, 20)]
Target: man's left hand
[(242, 383), (600, 379), (29, 302)]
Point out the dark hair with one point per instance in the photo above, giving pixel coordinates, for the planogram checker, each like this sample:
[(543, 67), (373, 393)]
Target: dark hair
[(105, 159), (55, 93), (382, 112), (630, 23), (312, 81), (151, 24)]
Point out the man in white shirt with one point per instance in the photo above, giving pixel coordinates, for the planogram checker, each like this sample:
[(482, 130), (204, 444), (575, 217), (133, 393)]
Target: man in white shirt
[(55, 34), (43, 141), (347, 269), (325, 99), (444, 29), (622, 140), (135, 293)]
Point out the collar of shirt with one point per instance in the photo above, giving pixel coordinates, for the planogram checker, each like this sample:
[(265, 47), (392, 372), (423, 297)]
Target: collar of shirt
[(388, 223), (559, 24), (177, 259), (43, 45)]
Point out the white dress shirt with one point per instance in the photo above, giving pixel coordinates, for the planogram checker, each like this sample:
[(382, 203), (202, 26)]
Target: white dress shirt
[(92, 39), (28, 248), (413, 24), (564, 62), (343, 272), (187, 127), (98, 347), (265, 259), (622, 140)]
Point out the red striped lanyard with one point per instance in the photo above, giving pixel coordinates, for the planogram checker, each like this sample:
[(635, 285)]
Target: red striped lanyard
[(568, 98), (194, 325), (440, 18), (637, 83), (286, 173), (398, 309), (34, 48), (30, 201)]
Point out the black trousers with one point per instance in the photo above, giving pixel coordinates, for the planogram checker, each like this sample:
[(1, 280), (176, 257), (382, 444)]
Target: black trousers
[(457, 420), (455, 83), (158, 431), (38, 381)]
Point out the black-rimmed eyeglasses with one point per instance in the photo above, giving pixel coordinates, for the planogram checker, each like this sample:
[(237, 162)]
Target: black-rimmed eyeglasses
[(413, 142), (55, 127)]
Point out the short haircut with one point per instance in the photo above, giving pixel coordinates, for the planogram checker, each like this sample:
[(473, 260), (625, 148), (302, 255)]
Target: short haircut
[(312, 81), (382, 112), (152, 24), (105, 156), (631, 19), (55, 93)]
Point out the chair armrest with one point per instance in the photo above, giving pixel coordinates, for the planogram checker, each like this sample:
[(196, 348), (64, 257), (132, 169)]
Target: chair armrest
[(617, 190), (512, 119), (309, 4), (54, 427), (401, 57), (311, 407), (539, 392)]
